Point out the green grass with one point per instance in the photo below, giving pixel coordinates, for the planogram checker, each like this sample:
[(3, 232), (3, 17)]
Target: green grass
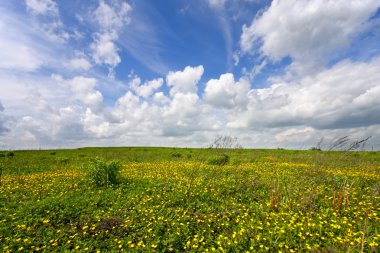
[(173, 200)]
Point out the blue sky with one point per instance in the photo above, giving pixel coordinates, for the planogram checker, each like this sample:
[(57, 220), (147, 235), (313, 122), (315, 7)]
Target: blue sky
[(179, 73)]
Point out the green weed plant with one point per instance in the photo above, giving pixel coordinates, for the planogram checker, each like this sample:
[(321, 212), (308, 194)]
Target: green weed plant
[(102, 173), (218, 160)]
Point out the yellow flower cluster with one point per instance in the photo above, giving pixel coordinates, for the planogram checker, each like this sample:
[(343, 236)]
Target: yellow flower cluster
[(180, 206)]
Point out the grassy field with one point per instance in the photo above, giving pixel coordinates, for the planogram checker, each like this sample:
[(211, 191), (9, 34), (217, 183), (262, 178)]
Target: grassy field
[(176, 200)]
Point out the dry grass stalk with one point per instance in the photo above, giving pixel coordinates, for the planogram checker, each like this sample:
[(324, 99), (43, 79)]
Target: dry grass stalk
[(339, 202)]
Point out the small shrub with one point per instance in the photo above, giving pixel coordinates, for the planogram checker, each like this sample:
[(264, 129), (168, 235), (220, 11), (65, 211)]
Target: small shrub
[(101, 173), (176, 155), (53, 153), (10, 154), (2, 155), (62, 160), (218, 160)]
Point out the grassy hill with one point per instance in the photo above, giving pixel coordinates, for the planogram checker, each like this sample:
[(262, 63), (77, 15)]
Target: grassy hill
[(175, 200)]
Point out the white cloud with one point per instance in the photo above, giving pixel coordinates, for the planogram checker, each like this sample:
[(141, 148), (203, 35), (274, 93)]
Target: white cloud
[(81, 84), (55, 31), (71, 110), (27, 93), (272, 118), (42, 6), (96, 125), (341, 97), (3, 120), (46, 20), (185, 115), (225, 92), (60, 127), (160, 98), (183, 106), (295, 135), (148, 88), (105, 50), (18, 56), (236, 58), (216, 3), (20, 49), (128, 100), (111, 18), (307, 31), (28, 48), (48, 112), (84, 90), (184, 81), (77, 64)]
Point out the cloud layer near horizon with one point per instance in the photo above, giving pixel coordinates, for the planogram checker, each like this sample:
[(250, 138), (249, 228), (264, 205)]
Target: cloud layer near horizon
[(53, 94)]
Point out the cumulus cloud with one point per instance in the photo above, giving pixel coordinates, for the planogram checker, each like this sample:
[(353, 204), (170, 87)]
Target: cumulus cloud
[(336, 98), (105, 50), (62, 126), (181, 114), (84, 90), (148, 88), (183, 106), (307, 31), (225, 92), (131, 111), (111, 18), (49, 112), (67, 124), (160, 98), (185, 115), (96, 125), (184, 81)]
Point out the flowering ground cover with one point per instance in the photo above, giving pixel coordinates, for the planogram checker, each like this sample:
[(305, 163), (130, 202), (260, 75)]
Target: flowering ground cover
[(260, 201)]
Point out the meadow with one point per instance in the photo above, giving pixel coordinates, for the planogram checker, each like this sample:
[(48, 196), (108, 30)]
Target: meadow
[(181, 200)]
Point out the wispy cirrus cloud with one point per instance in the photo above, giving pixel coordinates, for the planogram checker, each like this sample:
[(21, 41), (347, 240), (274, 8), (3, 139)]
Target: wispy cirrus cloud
[(47, 10), (48, 7), (22, 47), (42, 44), (143, 38)]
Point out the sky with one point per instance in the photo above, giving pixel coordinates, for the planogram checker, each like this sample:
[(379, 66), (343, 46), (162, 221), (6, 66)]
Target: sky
[(179, 73)]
